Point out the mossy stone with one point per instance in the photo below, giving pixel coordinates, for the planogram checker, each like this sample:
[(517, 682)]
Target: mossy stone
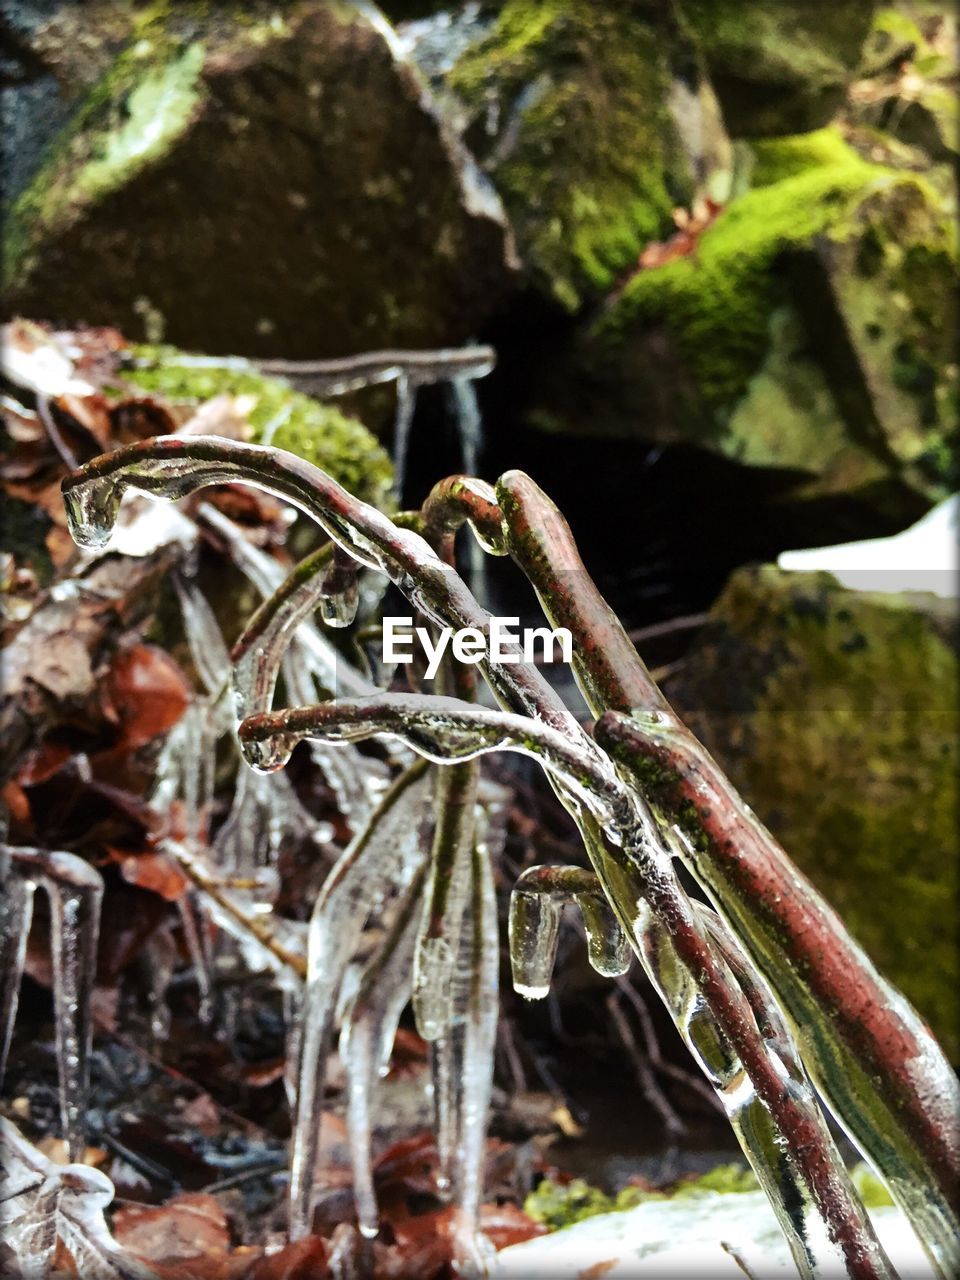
[(835, 714), (340, 445), (810, 331), (259, 179), (779, 69), (594, 121)]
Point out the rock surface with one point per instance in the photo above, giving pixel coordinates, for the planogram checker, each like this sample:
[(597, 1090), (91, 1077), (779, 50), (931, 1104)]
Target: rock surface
[(594, 121), (779, 69), (332, 440), (809, 330), (834, 713), (254, 179)]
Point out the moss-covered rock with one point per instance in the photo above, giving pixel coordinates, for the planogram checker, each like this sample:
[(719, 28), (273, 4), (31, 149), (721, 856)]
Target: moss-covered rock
[(908, 79), (338, 444), (559, 1204), (835, 713), (594, 121), (779, 69), (262, 179), (810, 331)]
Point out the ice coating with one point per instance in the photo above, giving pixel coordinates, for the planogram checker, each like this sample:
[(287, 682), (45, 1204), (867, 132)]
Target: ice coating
[(444, 730), (385, 856), (402, 421), (340, 590), (173, 466), (638, 878), (75, 891), (204, 637), (536, 905), (438, 939), (366, 1039), (16, 910), (856, 1034), (41, 1202), (272, 943), (767, 1147), (850, 1034), (462, 1068)]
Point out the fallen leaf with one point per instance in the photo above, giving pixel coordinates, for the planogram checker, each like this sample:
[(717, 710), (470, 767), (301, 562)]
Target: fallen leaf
[(188, 1226), (301, 1260), (145, 693), (507, 1224), (156, 872)]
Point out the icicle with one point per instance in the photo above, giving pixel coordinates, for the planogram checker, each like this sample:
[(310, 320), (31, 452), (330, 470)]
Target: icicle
[(469, 422), (463, 1071), (406, 402), (340, 590), (75, 890), (470, 433), (385, 857), (204, 637), (191, 918), (16, 910), (536, 904), (435, 959), (766, 1146), (366, 1041)]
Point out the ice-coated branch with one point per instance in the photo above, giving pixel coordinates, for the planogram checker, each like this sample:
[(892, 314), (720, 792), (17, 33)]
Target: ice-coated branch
[(441, 729), (536, 903), (366, 1039), (853, 1027), (351, 373), (75, 890), (172, 467), (438, 937), (640, 882), (385, 858)]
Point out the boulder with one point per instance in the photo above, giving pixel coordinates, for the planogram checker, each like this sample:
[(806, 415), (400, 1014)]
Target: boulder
[(809, 330), (779, 69), (907, 81), (835, 714), (274, 413), (260, 179), (593, 120)]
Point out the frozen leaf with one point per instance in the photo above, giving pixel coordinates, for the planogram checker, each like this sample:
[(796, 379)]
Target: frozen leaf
[(145, 693)]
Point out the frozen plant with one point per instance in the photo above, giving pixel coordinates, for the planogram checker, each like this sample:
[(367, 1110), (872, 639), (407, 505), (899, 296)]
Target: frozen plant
[(643, 793)]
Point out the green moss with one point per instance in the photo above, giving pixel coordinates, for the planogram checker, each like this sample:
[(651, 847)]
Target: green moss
[(589, 163), (318, 432), (132, 115), (835, 715), (729, 1179), (779, 158), (559, 1205), (717, 302)]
